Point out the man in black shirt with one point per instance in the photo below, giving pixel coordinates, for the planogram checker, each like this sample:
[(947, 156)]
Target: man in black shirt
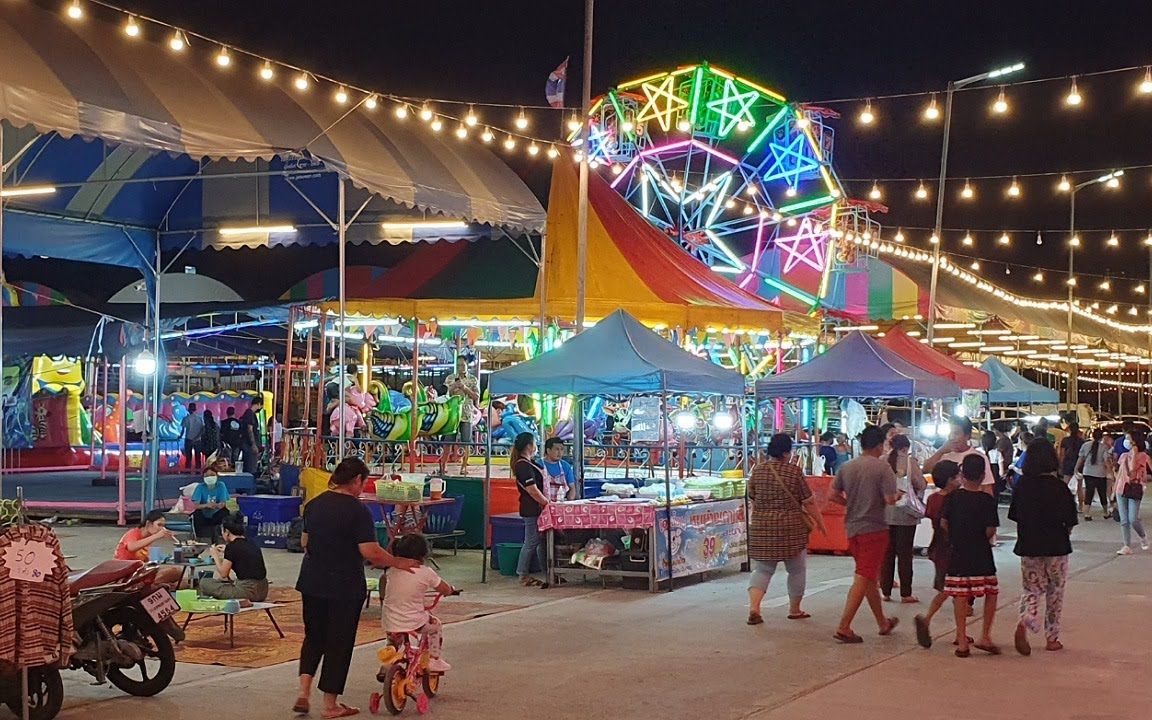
[(240, 571), (250, 435), (230, 435)]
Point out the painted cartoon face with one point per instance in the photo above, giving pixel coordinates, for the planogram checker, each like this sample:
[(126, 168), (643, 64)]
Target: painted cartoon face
[(55, 374)]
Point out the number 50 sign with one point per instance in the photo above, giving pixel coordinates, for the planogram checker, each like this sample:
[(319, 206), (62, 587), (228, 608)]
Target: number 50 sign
[(31, 561)]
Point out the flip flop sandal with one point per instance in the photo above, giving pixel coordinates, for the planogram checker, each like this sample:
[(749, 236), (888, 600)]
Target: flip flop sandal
[(799, 616), (971, 641), (963, 653), (909, 600), (342, 711), (848, 638), (755, 619), (1020, 640), (923, 634), (301, 707), (892, 623), (990, 649)]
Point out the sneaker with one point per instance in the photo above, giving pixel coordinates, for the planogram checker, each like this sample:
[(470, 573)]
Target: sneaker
[(1143, 543), (1124, 551), (438, 665)]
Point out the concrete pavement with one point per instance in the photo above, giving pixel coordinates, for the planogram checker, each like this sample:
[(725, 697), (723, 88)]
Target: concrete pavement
[(586, 652)]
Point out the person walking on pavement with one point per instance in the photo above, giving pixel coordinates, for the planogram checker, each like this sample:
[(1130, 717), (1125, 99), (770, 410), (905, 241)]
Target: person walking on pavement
[(1131, 476), (902, 519), (865, 486), (1094, 464), (1045, 513), (970, 519)]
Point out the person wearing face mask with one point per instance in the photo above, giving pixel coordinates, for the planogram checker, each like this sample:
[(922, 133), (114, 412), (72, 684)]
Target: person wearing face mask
[(210, 498)]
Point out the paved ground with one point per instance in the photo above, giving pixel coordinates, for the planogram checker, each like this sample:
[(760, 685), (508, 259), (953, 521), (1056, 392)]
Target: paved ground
[(587, 652)]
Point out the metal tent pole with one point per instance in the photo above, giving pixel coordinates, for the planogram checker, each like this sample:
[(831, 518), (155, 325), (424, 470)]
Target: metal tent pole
[(485, 491), (667, 484), (122, 422), (341, 231), (152, 477), (286, 393), (582, 206)]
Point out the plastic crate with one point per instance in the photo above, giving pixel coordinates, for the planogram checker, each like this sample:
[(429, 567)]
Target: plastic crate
[(269, 508)]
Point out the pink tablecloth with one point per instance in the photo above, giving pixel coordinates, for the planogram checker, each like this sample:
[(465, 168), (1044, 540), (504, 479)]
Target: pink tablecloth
[(613, 516)]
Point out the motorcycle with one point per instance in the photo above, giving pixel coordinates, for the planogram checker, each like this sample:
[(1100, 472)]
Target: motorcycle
[(123, 633)]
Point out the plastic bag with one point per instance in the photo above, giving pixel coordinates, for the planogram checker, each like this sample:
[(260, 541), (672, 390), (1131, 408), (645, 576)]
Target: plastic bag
[(593, 553)]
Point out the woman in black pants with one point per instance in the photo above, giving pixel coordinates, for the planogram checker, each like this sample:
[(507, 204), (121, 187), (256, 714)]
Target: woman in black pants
[(1095, 463), (902, 520), (339, 536)]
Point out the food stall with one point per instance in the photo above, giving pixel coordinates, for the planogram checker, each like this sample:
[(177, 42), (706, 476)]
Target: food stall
[(671, 533), (856, 367)]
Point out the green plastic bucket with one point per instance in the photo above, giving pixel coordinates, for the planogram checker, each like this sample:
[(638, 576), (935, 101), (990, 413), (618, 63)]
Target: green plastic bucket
[(507, 556)]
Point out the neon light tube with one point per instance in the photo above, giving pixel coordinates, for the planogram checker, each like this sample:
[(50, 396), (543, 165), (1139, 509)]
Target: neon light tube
[(789, 290), (624, 173), (776, 119), (257, 229), (806, 203), (725, 249), (719, 201), (28, 191), (425, 225), (685, 143), (641, 81), (697, 83), (823, 292), (770, 93)]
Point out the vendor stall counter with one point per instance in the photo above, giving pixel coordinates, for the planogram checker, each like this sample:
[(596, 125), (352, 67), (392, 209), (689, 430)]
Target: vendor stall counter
[(705, 536)]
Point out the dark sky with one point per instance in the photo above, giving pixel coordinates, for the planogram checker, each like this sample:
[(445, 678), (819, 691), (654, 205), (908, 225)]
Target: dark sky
[(501, 51)]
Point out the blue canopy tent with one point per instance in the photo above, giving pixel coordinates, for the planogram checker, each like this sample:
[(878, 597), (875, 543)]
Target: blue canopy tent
[(618, 356), (856, 366), (119, 151), (1008, 386)]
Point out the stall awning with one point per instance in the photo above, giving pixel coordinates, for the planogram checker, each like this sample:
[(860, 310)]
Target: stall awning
[(856, 367), (1009, 386), (934, 361), (619, 356), (86, 79), (630, 265)]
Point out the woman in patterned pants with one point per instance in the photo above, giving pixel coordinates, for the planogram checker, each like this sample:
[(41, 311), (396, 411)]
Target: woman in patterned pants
[(1045, 513)]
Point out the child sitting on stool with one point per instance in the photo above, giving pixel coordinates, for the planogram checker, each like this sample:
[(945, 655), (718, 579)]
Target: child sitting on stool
[(404, 610)]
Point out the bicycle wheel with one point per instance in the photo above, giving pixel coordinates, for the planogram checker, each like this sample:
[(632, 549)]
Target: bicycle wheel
[(431, 684), (395, 688)]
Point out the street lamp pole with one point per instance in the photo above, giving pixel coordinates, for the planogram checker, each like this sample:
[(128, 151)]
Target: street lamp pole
[(938, 227)]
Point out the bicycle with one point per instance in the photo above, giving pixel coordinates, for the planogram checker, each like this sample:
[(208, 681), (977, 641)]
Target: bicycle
[(404, 669)]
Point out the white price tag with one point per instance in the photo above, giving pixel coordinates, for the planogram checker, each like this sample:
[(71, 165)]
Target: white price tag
[(28, 561)]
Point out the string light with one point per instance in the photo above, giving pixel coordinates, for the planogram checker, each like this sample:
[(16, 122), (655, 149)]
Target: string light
[(266, 72), (401, 111), (1114, 181), (1038, 277), (426, 113), (874, 193), (1005, 239), (975, 265), (1113, 241), (341, 96), (968, 241), (1146, 84), (684, 125), (1148, 239), (1001, 105), (462, 131), (470, 119), (534, 150), (1132, 310), (1039, 239), (1139, 289), (967, 193), (223, 59), (935, 239), (75, 11), (371, 102), (921, 191), (1070, 282), (790, 192), (131, 28), (867, 116), (1105, 285), (1075, 241), (177, 42), (521, 120), (487, 135), (302, 82), (437, 124), (1007, 270), (1064, 185), (574, 122), (932, 112), (899, 237), (552, 152), (1073, 97), (1014, 189)]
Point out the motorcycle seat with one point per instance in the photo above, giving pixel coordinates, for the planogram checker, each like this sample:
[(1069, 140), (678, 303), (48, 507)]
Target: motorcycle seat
[(105, 573)]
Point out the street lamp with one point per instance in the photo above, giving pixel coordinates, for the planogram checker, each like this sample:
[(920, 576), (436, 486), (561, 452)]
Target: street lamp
[(952, 88), (1109, 180), (145, 363)]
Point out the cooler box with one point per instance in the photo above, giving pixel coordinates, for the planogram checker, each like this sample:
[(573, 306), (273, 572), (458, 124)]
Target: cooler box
[(289, 479), (836, 541), (238, 483), (269, 508)]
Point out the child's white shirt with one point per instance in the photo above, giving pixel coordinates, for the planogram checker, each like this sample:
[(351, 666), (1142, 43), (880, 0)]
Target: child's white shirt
[(404, 598)]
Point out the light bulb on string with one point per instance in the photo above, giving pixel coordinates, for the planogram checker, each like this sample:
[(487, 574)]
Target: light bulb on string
[(934, 240), (742, 126), (462, 131), (553, 153), (341, 96), (1132, 310), (487, 135), (750, 190), (223, 59), (1139, 289), (470, 119), (266, 71), (426, 113), (1148, 238), (1113, 240), (437, 124), (975, 265), (75, 11), (921, 191), (177, 42), (302, 82), (1075, 241), (510, 143), (1112, 310), (1014, 189), (1038, 277), (401, 111), (627, 126), (534, 150), (747, 209), (1145, 86), (967, 192), (1113, 182), (1007, 270), (791, 222), (683, 125), (521, 120), (803, 122), (1105, 285), (1064, 185), (729, 203), (867, 116), (574, 122), (1005, 239), (874, 193), (371, 102), (132, 28), (968, 241), (899, 236), (790, 192), (1073, 97), (1001, 105), (932, 112), (1071, 282)]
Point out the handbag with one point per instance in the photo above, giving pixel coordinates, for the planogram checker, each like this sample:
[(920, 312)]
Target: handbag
[(805, 515), (909, 501), (1134, 487)]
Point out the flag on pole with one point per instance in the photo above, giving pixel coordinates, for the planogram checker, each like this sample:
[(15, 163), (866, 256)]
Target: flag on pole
[(554, 88)]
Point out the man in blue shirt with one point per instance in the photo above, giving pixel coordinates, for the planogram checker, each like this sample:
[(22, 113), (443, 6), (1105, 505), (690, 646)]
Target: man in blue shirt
[(558, 480), (210, 498)]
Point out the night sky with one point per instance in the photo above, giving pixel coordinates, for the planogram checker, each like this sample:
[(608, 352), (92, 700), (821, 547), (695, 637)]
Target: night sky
[(812, 51)]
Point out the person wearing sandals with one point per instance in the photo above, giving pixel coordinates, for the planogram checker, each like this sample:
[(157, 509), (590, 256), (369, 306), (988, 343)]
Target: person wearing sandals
[(1045, 513), (864, 486), (946, 477), (530, 483), (970, 519), (1131, 476), (777, 532), (902, 519)]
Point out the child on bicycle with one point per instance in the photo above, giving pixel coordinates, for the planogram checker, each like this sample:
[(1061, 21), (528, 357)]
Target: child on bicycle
[(404, 609)]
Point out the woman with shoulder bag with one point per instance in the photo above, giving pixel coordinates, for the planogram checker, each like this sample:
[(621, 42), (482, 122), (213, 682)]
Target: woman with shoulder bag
[(783, 514), (1131, 476), (902, 519)]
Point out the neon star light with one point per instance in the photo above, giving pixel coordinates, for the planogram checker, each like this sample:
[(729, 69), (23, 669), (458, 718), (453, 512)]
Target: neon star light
[(733, 108), (805, 246), (663, 103)]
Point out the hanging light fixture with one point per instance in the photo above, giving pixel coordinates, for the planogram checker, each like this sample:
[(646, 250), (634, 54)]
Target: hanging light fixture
[(1000, 107), (574, 122), (1073, 97), (426, 113), (75, 11), (223, 59), (534, 150), (131, 28), (437, 124), (1064, 185), (177, 42), (487, 135), (521, 120), (932, 112), (899, 236), (266, 71), (470, 119), (1145, 86), (462, 131), (867, 116), (874, 193), (921, 191), (341, 95), (1005, 239), (967, 192), (371, 102), (1014, 189), (1113, 240), (302, 82)]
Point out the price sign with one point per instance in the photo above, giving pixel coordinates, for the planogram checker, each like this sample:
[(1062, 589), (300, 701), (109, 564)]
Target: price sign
[(30, 561), (645, 419)]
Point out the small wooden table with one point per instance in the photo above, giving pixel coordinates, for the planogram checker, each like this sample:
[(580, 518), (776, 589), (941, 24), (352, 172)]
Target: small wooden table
[(230, 618)]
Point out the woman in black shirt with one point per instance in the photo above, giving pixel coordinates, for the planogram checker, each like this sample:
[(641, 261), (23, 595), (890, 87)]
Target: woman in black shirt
[(339, 536), (530, 483), (240, 571), (1045, 513)]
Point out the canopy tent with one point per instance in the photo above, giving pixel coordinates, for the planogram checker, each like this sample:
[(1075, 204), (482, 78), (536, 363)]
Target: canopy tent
[(630, 264), (934, 361), (1008, 386), (619, 356), (856, 366)]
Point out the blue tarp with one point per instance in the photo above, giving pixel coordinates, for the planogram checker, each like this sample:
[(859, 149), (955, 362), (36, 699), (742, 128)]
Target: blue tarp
[(619, 356), (1008, 386), (857, 367)]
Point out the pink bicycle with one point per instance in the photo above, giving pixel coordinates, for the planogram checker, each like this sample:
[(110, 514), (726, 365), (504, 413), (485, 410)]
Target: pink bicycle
[(404, 669)]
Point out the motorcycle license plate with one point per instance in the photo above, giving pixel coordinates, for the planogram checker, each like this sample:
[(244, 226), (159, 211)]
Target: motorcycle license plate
[(160, 605)]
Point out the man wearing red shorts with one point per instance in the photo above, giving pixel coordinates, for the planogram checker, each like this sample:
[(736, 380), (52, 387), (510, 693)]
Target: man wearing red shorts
[(865, 486)]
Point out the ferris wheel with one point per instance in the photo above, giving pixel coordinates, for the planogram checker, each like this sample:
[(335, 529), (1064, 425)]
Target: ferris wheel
[(728, 169)]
